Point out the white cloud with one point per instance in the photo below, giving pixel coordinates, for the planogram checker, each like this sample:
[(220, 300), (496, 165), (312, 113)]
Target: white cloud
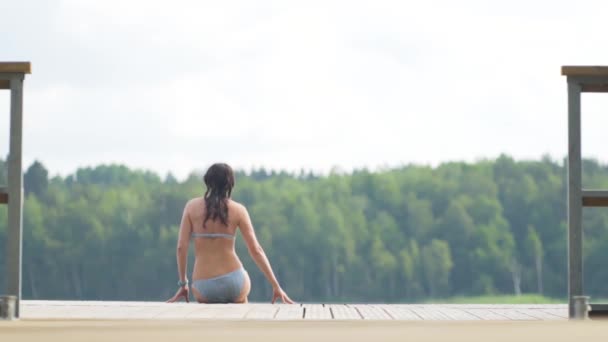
[(289, 84)]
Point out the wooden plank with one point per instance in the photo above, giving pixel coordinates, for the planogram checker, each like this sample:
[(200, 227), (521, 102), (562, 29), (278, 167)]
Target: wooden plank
[(402, 313), (289, 312), (429, 313), (149, 312), (262, 311), (172, 311), (316, 311), (542, 315), (486, 314), (595, 198), (93, 303), (372, 312), (598, 311), (514, 314), (24, 67), (458, 314), (115, 312), (219, 311), (342, 311), (3, 196), (599, 306), (594, 88), (497, 306), (159, 310), (539, 306), (591, 71), (84, 312), (206, 311), (563, 313), (48, 311), (44, 312), (232, 311)]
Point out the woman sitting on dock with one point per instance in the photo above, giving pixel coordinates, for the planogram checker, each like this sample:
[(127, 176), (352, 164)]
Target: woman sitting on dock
[(212, 220)]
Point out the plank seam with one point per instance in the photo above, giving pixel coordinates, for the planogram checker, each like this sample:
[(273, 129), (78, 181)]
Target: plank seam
[(276, 313), (551, 313), (415, 313), (387, 313), (511, 319), (523, 313), (474, 315), (504, 316), (359, 312), (247, 313)]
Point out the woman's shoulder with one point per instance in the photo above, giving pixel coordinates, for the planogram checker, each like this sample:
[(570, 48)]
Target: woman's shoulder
[(236, 205), (238, 208), (195, 202)]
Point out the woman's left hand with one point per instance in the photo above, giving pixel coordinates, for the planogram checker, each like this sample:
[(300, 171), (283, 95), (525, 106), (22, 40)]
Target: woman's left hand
[(278, 293), (183, 291)]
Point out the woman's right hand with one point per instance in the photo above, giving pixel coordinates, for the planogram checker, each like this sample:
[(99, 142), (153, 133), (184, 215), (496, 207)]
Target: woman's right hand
[(183, 291), (278, 293)]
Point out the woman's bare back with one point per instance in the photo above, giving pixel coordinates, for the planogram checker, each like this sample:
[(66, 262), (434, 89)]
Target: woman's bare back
[(215, 256)]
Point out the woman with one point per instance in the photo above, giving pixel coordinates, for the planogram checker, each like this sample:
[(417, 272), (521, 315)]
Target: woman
[(218, 275)]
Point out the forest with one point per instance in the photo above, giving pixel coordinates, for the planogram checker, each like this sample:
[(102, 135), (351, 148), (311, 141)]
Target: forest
[(404, 234)]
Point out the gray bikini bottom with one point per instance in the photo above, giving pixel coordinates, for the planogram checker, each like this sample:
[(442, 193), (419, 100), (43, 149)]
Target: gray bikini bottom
[(222, 289)]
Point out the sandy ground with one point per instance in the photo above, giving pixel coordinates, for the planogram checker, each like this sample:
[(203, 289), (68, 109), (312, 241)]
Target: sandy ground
[(310, 331)]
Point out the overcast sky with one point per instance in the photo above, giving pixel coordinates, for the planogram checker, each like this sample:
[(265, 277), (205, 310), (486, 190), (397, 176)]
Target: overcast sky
[(178, 85)]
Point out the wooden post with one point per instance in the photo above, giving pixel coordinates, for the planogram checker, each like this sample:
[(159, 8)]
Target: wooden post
[(575, 205), (591, 79), (14, 73)]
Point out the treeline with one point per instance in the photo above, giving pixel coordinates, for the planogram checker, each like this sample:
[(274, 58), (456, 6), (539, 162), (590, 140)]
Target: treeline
[(399, 235)]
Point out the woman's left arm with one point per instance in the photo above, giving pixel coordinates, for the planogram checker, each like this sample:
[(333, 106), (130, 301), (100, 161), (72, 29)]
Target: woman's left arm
[(183, 241)]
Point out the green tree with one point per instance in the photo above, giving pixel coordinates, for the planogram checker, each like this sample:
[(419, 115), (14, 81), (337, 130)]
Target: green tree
[(534, 248), (402, 234), (36, 179), (437, 262)]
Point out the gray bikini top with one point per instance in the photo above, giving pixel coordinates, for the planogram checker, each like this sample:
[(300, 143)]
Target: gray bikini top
[(213, 235)]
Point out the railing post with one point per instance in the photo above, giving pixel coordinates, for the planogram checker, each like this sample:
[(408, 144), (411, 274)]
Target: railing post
[(15, 193)]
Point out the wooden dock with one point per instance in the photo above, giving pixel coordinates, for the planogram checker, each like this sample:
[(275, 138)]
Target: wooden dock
[(106, 310)]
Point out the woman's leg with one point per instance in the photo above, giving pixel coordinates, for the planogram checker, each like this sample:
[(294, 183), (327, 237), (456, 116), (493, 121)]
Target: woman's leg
[(242, 298), (197, 294)]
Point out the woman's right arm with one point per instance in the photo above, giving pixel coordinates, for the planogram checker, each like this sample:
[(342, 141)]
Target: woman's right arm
[(257, 254)]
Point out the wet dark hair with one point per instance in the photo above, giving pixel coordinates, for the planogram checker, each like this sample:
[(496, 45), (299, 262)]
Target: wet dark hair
[(219, 180)]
